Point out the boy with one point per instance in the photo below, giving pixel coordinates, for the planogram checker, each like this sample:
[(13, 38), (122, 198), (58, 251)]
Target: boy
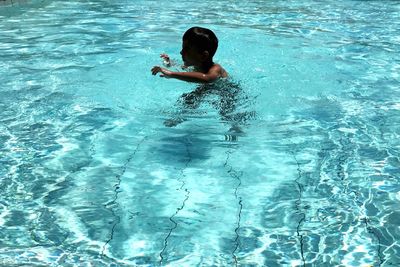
[(198, 48)]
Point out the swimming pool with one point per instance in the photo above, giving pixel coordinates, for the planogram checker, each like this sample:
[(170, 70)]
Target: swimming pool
[(90, 176)]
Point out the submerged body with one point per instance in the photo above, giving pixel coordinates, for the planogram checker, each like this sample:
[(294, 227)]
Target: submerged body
[(226, 96)]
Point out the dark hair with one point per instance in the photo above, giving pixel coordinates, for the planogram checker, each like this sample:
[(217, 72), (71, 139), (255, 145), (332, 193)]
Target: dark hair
[(203, 39)]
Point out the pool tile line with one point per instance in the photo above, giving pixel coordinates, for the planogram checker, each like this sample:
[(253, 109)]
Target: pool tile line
[(111, 205), (174, 226), (298, 204), (237, 175), (371, 231), (187, 194)]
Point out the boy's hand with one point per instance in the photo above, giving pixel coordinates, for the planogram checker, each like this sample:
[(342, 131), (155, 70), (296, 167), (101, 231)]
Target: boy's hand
[(164, 72), (166, 60)]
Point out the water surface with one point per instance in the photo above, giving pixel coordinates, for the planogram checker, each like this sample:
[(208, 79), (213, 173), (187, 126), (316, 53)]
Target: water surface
[(91, 176)]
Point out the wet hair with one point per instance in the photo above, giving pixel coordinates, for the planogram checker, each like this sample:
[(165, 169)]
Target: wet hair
[(203, 39)]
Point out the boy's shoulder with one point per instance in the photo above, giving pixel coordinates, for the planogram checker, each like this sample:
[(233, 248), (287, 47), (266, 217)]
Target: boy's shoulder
[(217, 68)]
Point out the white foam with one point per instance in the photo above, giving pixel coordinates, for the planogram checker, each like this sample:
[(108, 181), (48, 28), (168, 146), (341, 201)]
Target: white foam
[(137, 247), (398, 196), (5, 212), (66, 144), (348, 130), (73, 223)]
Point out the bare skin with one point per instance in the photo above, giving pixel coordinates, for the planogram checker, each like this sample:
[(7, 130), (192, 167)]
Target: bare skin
[(215, 72)]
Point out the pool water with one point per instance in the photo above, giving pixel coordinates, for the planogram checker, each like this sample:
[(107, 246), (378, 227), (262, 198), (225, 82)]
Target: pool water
[(91, 176)]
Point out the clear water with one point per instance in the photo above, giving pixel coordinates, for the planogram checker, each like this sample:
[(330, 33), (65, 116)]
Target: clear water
[(90, 176)]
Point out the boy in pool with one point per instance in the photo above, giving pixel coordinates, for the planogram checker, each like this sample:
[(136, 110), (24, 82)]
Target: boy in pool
[(198, 48)]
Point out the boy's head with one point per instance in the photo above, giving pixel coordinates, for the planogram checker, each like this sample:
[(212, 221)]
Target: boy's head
[(199, 46)]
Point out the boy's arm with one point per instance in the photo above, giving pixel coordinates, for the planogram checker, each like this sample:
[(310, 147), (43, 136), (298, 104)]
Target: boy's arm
[(197, 77)]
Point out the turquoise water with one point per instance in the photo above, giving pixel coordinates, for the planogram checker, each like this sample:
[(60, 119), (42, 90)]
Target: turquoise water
[(90, 176)]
